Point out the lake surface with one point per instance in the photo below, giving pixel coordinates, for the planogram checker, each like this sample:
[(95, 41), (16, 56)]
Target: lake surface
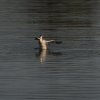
[(67, 71)]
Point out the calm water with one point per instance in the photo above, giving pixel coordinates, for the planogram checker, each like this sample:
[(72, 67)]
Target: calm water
[(67, 71)]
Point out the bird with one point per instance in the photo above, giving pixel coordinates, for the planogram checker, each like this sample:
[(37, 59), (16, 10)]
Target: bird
[(43, 43)]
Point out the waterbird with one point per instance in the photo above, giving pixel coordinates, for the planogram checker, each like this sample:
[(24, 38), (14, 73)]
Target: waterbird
[(43, 43)]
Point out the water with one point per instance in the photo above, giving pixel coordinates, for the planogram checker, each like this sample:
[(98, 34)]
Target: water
[(67, 71)]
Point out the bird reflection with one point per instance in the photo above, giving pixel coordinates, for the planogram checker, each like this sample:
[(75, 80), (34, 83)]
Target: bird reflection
[(42, 54)]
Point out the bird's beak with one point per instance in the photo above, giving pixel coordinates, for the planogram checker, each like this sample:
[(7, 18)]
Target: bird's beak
[(36, 38)]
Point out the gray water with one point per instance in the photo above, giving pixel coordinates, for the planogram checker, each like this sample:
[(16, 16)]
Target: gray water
[(67, 71)]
